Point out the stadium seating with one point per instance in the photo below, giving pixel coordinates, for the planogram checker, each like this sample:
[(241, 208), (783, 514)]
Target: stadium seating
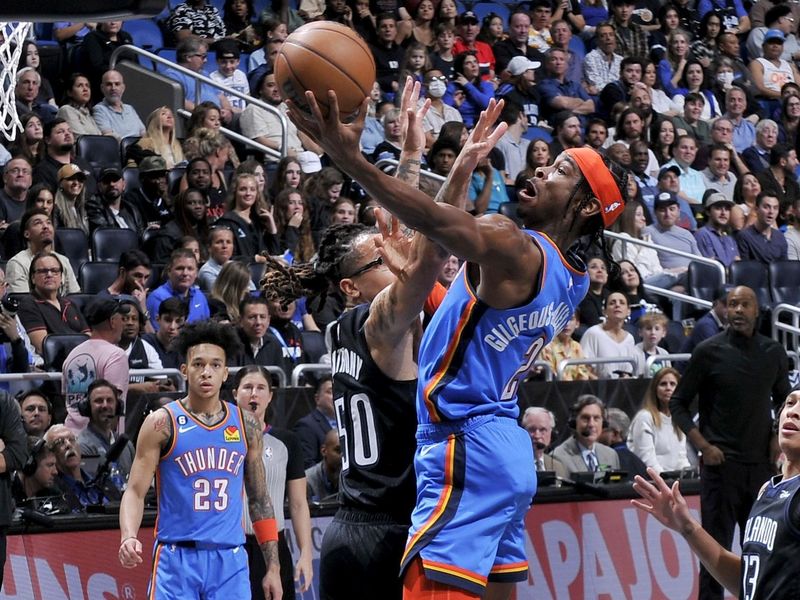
[(146, 34), (56, 347), (784, 281), (82, 301), (755, 275), (94, 277), (72, 243), (109, 242), (704, 281), (100, 151)]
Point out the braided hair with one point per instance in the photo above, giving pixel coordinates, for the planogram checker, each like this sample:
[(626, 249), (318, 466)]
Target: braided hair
[(285, 284)]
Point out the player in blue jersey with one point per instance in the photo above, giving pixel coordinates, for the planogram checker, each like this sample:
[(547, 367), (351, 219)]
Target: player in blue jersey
[(515, 292), (768, 568), (205, 453)]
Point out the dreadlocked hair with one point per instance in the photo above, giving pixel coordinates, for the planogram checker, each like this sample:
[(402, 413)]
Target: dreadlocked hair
[(593, 230), (285, 284)]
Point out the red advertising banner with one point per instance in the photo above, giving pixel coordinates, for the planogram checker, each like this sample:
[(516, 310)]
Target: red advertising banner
[(603, 550)]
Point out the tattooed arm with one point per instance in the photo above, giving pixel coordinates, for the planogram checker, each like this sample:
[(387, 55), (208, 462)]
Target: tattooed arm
[(259, 504), (153, 437)]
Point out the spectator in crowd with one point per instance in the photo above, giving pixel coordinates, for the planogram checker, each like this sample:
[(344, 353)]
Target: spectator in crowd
[(596, 134), (557, 92), (717, 175), (191, 217), (614, 435), (740, 378), (241, 23), (562, 347), (521, 87), (758, 12), (104, 406), (537, 155), (14, 342), (323, 478), (652, 331), (76, 109), (744, 132), (71, 34), (602, 65), (312, 428), (710, 324), (132, 279), (286, 331), (562, 38), (610, 339), (582, 452), (744, 197), (439, 112), (181, 278), (641, 159), (476, 90), (160, 137), (792, 234), (756, 156), (26, 93), (516, 44), (37, 229), (70, 199), (442, 56), (112, 115), (141, 354), (591, 307), (714, 239), (622, 88), (99, 357), (196, 18), (770, 71), (666, 232), (388, 54), (389, 147), (228, 291), (37, 412), (16, 183), (631, 37), (220, 251), (151, 197), (60, 143), (728, 47), (39, 481), (108, 209), (721, 134), (779, 179), (631, 283), (691, 121), (29, 143), (540, 423), (172, 314), (653, 437), (512, 145), (293, 221), (260, 347), (692, 185), (468, 26), (285, 475), (97, 48), (250, 220), (763, 241), (669, 181), (229, 75), (632, 224), (38, 196), (487, 188), (192, 54), (75, 483), (567, 131), (779, 18)]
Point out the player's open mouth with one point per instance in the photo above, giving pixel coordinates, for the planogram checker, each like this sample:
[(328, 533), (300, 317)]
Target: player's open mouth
[(790, 426), (253, 406), (530, 188)]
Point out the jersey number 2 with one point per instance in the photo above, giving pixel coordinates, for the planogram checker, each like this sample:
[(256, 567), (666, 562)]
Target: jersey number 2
[(365, 440), (202, 494), (510, 391)]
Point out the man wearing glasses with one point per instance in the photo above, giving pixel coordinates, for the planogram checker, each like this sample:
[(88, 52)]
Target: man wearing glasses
[(778, 17), (38, 231), (16, 183), (192, 54)]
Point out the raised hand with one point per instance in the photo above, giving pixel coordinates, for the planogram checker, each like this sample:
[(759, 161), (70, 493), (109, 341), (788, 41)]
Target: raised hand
[(666, 504), (393, 245), (340, 141), (412, 135), (482, 138)]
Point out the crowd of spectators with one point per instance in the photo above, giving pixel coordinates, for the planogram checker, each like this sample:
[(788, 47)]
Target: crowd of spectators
[(701, 101)]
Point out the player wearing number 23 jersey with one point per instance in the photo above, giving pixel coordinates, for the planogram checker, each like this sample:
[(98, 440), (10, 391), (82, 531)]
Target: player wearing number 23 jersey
[(472, 456)]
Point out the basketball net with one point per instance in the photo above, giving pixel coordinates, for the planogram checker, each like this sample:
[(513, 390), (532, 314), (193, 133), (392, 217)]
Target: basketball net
[(13, 35)]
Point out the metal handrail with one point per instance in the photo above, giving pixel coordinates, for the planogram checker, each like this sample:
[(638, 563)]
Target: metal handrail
[(200, 78), (272, 369), (549, 375), (678, 296), (56, 376), (299, 370), (235, 135), (701, 259), (568, 362), (792, 329), (659, 358)]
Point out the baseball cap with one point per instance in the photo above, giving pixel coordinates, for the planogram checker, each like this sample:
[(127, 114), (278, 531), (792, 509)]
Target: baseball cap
[(71, 170), (669, 169), (665, 199), (227, 49), (309, 162), (519, 64), (773, 35), (101, 310), (717, 198), (152, 164), (112, 173), (467, 17)]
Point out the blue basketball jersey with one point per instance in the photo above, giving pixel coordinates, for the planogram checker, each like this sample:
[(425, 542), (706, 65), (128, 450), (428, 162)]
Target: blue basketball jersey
[(472, 357), (200, 480)]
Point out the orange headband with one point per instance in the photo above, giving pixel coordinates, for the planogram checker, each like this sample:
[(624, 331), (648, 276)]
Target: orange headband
[(601, 181)]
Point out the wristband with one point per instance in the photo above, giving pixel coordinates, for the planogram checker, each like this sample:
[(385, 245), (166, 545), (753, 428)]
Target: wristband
[(266, 530)]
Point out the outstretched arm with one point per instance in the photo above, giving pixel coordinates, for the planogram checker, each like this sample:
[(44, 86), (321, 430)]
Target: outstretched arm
[(492, 241), (669, 508), (259, 504)]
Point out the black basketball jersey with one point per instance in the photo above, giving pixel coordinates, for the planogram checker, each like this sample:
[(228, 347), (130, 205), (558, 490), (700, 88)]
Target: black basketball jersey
[(377, 423), (770, 568)]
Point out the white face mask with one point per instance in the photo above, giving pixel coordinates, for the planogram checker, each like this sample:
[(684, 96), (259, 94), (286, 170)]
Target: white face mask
[(436, 88), (725, 78)]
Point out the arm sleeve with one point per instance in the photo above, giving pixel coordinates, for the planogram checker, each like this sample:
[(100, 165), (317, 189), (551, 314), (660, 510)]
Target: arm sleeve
[(744, 247), (12, 434), (30, 316)]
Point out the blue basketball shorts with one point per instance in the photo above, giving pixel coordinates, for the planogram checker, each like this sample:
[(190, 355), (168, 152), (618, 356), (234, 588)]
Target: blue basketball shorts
[(185, 573), (475, 482)]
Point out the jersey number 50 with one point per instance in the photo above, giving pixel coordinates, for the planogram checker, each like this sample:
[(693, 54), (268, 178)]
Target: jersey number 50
[(362, 426)]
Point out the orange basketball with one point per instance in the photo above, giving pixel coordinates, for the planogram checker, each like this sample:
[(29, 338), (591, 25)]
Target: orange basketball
[(324, 56)]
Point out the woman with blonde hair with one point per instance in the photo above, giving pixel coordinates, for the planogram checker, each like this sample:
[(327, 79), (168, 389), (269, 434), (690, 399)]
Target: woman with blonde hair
[(653, 436), (215, 149), (293, 223), (160, 136), (250, 219), (229, 289)]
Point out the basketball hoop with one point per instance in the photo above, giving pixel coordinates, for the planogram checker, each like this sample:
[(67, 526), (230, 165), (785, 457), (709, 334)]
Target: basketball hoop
[(13, 35)]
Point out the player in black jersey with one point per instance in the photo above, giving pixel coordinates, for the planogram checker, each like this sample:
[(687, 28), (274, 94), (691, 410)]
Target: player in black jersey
[(373, 355), (768, 568)]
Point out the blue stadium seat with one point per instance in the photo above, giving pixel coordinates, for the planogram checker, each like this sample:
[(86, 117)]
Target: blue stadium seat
[(100, 151), (167, 53), (56, 348), (108, 243), (146, 34), (96, 276), (74, 244), (484, 8), (753, 274)]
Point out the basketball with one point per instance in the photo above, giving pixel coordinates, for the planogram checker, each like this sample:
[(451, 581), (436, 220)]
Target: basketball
[(324, 56)]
